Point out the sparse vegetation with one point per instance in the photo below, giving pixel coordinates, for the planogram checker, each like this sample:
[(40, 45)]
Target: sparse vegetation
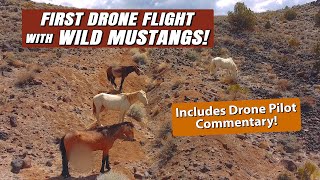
[(24, 79), (316, 49), (167, 152), (317, 19), (192, 55), (309, 171), (236, 91), (137, 112), (177, 83), (242, 18), (283, 85), (284, 176), (290, 14), (140, 58), (16, 63), (267, 25), (165, 130), (308, 102), (293, 42)]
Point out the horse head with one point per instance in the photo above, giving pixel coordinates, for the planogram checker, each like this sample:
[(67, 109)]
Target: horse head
[(127, 131), (143, 97)]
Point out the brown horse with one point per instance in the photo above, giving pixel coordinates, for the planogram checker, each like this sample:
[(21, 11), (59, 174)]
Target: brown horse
[(121, 71), (101, 138)]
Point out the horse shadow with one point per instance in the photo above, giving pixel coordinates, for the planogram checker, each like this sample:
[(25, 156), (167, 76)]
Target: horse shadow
[(91, 177)]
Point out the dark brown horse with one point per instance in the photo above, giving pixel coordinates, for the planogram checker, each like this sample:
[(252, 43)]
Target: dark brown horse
[(101, 138), (121, 71)]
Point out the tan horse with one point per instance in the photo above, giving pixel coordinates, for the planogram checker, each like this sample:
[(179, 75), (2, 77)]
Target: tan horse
[(101, 138), (118, 102)]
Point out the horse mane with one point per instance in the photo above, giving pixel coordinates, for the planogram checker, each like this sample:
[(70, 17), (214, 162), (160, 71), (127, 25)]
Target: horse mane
[(112, 129)]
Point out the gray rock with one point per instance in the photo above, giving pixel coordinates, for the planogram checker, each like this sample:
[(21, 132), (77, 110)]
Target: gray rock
[(13, 121), (289, 165), (16, 165)]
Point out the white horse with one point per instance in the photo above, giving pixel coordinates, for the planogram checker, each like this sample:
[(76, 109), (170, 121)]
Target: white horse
[(119, 102), (224, 63)]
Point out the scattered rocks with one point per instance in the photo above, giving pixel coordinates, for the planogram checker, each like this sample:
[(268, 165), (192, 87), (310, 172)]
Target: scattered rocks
[(29, 146), (4, 136), (49, 163), (264, 145), (16, 165), (229, 165), (241, 136), (26, 163), (48, 107), (205, 169), (13, 121)]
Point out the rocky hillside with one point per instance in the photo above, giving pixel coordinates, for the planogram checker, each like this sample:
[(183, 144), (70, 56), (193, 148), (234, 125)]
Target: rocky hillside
[(48, 92)]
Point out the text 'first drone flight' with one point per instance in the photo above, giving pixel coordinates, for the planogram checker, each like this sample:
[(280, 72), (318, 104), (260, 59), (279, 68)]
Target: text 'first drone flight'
[(114, 28)]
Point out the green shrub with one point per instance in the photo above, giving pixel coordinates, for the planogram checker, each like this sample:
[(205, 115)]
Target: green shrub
[(317, 19), (267, 25), (290, 14), (242, 18)]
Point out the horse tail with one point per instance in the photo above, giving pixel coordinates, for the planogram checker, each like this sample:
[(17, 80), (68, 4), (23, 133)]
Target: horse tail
[(94, 108)]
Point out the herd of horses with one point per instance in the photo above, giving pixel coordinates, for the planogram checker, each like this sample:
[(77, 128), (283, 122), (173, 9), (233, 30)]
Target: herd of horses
[(101, 137)]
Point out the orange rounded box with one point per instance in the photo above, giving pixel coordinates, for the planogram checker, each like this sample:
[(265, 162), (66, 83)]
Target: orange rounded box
[(236, 117)]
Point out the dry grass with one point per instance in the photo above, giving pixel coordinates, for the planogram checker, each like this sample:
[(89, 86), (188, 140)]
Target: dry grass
[(293, 42), (112, 176), (193, 55), (16, 63), (34, 68), (140, 58), (284, 176), (237, 92), (308, 102), (137, 112), (177, 83), (283, 85), (309, 171), (167, 152), (165, 130), (24, 79), (162, 67)]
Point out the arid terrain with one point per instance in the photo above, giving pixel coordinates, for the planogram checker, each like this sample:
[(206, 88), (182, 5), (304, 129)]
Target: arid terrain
[(46, 93)]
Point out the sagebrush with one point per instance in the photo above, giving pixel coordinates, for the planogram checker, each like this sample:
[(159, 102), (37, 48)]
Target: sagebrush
[(242, 18)]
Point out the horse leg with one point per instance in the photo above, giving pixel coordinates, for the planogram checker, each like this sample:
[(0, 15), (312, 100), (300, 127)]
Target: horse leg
[(122, 80), (113, 82), (121, 117), (102, 164), (64, 156), (107, 163)]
